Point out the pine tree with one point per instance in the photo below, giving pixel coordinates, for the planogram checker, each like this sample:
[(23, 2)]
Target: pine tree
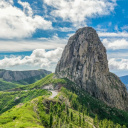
[(79, 119), (51, 120), (71, 116), (51, 107), (67, 111)]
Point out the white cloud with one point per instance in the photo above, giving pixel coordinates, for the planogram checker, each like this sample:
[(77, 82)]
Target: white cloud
[(125, 27), (26, 6), (15, 23), (118, 64), (109, 34), (115, 44), (39, 57), (29, 45), (65, 29), (77, 11)]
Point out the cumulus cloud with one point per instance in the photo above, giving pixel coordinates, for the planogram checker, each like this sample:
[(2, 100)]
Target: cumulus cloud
[(39, 57), (109, 34), (118, 64), (26, 8), (115, 44), (17, 23), (30, 45), (77, 11)]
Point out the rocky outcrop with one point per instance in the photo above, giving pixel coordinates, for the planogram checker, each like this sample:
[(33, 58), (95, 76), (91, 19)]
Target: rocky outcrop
[(84, 61), (23, 76)]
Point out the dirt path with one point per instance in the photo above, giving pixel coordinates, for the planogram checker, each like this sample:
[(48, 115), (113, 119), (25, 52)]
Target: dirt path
[(54, 93)]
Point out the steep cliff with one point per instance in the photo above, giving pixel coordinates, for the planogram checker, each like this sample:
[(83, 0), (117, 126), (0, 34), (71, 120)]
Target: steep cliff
[(84, 61)]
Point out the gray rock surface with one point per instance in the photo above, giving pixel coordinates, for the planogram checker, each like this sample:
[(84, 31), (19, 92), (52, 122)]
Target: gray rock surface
[(27, 76), (84, 61)]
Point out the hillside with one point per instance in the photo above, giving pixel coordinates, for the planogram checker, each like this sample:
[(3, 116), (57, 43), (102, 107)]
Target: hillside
[(23, 77), (76, 99), (4, 85), (124, 79)]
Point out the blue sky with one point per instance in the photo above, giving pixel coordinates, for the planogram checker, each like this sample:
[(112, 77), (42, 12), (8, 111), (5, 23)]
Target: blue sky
[(34, 33)]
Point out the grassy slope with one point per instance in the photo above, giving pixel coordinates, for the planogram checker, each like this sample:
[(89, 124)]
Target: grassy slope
[(10, 99), (40, 83), (21, 117), (30, 80), (36, 113), (4, 85)]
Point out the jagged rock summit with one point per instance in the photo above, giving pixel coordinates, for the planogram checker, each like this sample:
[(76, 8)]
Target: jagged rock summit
[(84, 61)]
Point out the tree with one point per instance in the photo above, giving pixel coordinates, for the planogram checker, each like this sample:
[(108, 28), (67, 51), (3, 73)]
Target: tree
[(79, 119), (51, 107), (67, 111), (71, 116), (51, 120)]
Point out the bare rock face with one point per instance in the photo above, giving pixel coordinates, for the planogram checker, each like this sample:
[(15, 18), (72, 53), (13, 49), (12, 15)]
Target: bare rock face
[(84, 61)]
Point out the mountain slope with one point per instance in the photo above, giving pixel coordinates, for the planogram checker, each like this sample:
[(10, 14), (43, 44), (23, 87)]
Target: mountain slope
[(78, 99), (66, 110), (4, 85), (124, 79), (10, 99), (84, 61), (23, 77)]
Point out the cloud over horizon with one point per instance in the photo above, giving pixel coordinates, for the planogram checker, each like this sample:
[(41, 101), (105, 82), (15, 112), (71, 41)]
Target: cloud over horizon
[(39, 57), (115, 44), (118, 64)]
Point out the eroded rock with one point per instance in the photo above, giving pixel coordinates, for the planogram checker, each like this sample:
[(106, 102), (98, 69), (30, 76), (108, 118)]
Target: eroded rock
[(84, 61)]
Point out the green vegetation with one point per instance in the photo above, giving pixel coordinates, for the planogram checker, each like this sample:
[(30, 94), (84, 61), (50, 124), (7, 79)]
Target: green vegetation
[(44, 81), (53, 113), (21, 116), (30, 80), (71, 108), (109, 118), (10, 99), (4, 85), (94, 106)]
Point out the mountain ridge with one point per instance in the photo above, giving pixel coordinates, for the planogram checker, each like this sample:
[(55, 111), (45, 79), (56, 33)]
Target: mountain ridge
[(23, 77)]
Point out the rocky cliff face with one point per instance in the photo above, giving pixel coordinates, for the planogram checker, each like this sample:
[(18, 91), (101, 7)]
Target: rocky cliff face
[(27, 76), (84, 61)]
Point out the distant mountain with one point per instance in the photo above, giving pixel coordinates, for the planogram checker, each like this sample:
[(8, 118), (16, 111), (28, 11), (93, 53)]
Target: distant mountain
[(23, 77), (124, 79)]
